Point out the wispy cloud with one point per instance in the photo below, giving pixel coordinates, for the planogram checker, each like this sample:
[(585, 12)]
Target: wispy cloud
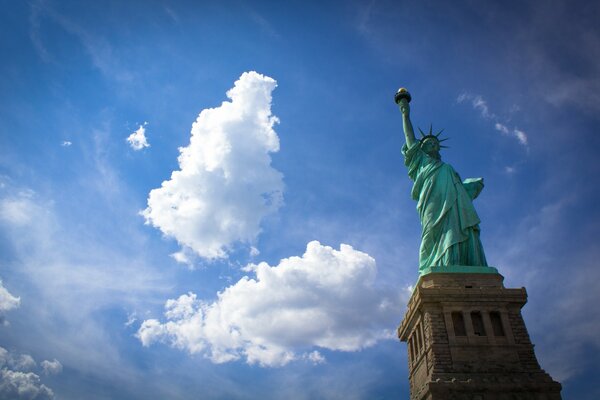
[(364, 17), (263, 24), (325, 298), (573, 323), (66, 143), (70, 270), (172, 14), (100, 50), (505, 130), (479, 104), (34, 31)]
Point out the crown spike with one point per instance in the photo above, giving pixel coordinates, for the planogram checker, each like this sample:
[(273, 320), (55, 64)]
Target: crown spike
[(443, 140), (422, 134), (430, 129), (439, 133)]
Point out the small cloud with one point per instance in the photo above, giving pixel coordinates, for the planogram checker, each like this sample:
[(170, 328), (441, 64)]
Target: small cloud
[(51, 367), (510, 170), (131, 318), (185, 256), (254, 251), (250, 267), (66, 143), (315, 357), (137, 140), (501, 128), (521, 136)]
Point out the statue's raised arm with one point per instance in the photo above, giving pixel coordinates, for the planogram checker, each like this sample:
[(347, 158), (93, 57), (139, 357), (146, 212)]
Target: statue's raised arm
[(402, 99), (450, 237)]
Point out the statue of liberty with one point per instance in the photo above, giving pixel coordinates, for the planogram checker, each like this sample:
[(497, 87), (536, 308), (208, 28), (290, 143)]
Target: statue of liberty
[(450, 236)]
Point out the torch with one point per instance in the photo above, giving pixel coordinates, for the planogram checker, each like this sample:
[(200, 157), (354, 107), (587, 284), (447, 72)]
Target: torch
[(402, 95)]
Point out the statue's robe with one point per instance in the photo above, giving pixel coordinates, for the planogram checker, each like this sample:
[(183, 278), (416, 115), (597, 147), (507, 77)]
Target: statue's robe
[(450, 223)]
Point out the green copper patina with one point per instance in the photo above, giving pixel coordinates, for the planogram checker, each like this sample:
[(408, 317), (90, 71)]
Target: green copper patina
[(450, 238)]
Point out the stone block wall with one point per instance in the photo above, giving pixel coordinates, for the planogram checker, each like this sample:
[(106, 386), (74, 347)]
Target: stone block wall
[(489, 358)]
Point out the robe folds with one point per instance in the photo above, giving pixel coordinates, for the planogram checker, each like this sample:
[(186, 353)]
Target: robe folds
[(450, 234)]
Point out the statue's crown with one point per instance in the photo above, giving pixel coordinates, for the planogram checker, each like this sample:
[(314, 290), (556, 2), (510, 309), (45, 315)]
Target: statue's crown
[(431, 135)]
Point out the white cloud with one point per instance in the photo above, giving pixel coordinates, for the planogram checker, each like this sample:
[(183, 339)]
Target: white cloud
[(519, 134), (131, 319), (254, 252), (137, 140), (18, 209), (16, 380), (478, 103), (51, 367), (501, 128), (97, 274), (186, 256), (18, 362), (66, 143), (16, 385), (326, 298), (225, 185), (315, 357), (7, 302)]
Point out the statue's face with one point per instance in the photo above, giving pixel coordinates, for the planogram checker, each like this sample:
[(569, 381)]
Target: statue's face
[(430, 146)]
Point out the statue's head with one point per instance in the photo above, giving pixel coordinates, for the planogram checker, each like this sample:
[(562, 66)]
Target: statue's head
[(431, 143)]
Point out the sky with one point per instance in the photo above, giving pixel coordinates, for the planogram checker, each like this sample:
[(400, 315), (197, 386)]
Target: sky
[(208, 199)]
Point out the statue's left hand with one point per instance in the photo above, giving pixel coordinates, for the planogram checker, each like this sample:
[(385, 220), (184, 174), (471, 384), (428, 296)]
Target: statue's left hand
[(404, 108)]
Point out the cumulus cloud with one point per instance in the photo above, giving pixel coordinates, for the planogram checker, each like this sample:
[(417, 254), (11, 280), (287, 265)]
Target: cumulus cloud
[(7, 302), (51, 367), (16, 380), (66, 143), (137, 140), (481, 105), (326, 298), (225, 184), (16, 385), (19, 362)]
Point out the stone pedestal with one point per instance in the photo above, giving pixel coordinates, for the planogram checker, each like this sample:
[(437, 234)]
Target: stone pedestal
[(467, 341)]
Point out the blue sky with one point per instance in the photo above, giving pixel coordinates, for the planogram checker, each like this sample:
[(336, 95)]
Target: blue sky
[(265, 247)]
